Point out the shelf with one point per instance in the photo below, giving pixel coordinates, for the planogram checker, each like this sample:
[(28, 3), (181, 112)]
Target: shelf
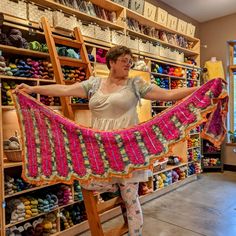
[(211, 153), (169, 61), (54, 107), (80, 106), (74, 230), (190, 162), (233, 67), (108, 4), (83, 16), (28, 190), (25, 78), (193, 79), (169, 76), (69, 61), (22, 51), (11, 164), (69, 204), (193, 147), (7, 108), (211, 167), (41, 214), (140, 18), (167, 189), (170, 167), (186, 51)]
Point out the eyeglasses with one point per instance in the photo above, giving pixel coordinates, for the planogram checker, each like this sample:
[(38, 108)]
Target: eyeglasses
[(126, 61)]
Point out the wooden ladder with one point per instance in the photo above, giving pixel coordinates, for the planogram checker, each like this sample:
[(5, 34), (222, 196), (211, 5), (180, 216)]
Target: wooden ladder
[(93, 209)]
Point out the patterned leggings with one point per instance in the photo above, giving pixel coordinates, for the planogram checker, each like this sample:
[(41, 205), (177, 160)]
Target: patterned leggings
[(129, 194)]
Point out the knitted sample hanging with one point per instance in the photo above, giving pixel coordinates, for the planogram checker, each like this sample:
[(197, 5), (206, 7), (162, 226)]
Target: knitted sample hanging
[(55, 149)]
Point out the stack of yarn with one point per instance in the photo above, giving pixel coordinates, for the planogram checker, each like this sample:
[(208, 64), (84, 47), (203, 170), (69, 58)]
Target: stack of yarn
[(178, 84), (194, 154), (66, 219), (4, 69), (31, 206), (50, 101), (64, 195), (9, 185), (182, 172), (16, 210), (48, 204), (6, 94), (161, 82), (191, 169), (30, 68), (13, 38), (74, 74), (198, 168), (13, 185), (77, 191)]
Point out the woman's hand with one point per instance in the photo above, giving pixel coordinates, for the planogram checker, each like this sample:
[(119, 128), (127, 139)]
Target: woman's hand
[(25, 88)]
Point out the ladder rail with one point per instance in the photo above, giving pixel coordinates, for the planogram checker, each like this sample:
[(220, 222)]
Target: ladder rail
[(92, 208), (65, 101)]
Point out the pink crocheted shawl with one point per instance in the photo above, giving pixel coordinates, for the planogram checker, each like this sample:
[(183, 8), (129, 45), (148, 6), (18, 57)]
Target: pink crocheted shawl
[(58, 150)]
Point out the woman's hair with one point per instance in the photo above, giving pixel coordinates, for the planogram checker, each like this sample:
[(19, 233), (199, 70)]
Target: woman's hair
[(115, 52)]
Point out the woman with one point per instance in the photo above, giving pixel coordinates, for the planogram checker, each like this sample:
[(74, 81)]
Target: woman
[(113, 104)]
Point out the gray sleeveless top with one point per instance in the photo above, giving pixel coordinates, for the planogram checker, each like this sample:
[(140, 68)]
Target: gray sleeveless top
[(116, 110)]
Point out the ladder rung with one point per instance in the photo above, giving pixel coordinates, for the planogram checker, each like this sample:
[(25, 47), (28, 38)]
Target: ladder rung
[(67, 42), (80, 106), (118, 230), (68, 61), (107, 205)]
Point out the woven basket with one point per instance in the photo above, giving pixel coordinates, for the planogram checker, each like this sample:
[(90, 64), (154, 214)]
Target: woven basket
[(144, 46), (16, 8), (86, 29), (64, 21), (13, 155), (36, 12), (102, 34), (132, 43), (118, 38)]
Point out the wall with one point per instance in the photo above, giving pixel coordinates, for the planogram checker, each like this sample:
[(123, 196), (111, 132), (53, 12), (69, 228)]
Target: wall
[(215, 34)]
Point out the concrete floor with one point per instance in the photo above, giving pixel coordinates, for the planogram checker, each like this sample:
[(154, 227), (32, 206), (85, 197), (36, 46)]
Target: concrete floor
[(204, 207)]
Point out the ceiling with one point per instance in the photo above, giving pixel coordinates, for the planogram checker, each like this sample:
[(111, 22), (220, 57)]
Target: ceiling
[(203, 10)]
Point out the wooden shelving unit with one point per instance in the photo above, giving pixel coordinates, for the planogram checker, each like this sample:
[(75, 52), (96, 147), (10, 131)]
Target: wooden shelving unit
[(82, 109)]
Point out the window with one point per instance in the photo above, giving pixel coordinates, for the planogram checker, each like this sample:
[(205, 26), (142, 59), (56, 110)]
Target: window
[(232, 86)]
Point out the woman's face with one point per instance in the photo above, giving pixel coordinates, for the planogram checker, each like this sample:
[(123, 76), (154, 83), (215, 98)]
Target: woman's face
[(122, 65)]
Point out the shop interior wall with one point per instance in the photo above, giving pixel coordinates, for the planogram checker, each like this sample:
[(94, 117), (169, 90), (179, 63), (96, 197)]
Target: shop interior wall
[(214, 35)]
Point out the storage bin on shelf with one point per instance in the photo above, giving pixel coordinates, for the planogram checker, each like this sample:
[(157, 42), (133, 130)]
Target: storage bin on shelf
[(144, 46), (118, 37), (87, 29), (179, 56), (37, 11), (164, 52), (154, 49), (102, 33), (132, 42), (64, 21), (17, 8), (13, 155)]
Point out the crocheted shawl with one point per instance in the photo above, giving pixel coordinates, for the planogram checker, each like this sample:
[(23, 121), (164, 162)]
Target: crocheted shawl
[(55, 149)]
